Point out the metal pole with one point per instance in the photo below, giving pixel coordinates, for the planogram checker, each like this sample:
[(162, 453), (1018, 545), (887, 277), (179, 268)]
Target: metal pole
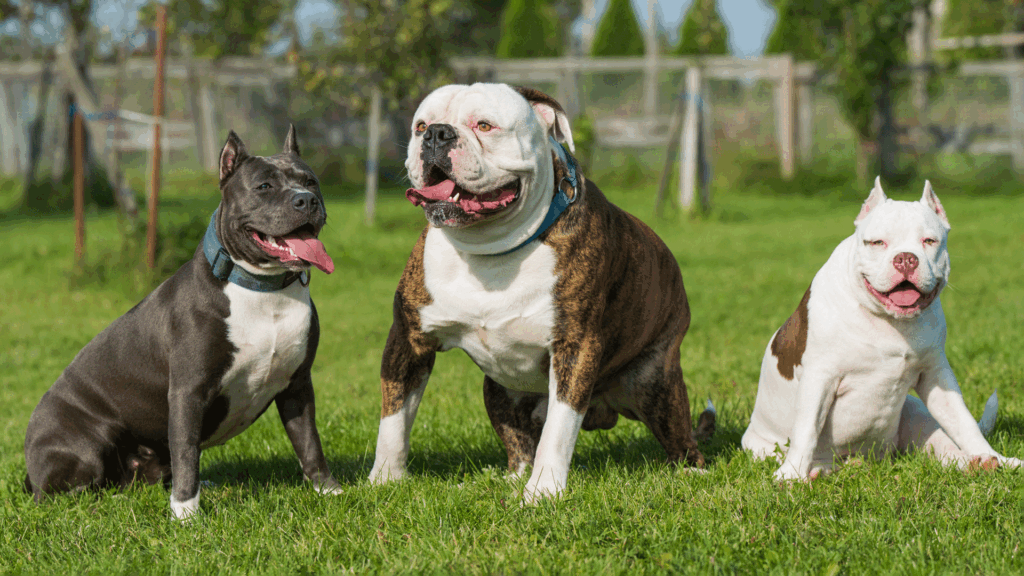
[(373, 155), (79, 187), (158, 111)]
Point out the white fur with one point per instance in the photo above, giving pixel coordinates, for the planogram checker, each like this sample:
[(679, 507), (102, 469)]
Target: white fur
[(849, 394), (498, 309), (186, 509), (517, 147), (393, 439), (271, 333)]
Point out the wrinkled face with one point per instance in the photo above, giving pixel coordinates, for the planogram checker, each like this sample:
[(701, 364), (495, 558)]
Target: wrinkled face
[(473, 154), (901, 255), (271, 210)]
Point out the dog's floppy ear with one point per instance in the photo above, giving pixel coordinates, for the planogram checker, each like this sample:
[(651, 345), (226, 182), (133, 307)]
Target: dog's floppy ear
[(874, 199), (231, 156), (291, 142), (931, 200), (550, 114)]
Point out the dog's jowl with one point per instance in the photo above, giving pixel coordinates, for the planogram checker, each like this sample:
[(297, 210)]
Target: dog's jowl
[(836, 376), (203, 356), (573, 309)]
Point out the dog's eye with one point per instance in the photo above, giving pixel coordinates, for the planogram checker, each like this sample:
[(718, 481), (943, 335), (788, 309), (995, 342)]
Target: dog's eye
[(421, 127), (310, 183), (874, 242), (930, 241), (484, 126), (263, 186)]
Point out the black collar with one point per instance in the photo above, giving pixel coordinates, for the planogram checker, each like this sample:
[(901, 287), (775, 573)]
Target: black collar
[(224, 268)]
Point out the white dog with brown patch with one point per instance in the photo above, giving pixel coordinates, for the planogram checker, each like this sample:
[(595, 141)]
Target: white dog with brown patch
[(835, 378)]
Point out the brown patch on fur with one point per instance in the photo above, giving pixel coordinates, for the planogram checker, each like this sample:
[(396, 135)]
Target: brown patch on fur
[(409, 353), (512, 421), (791, 340), (983, 463)]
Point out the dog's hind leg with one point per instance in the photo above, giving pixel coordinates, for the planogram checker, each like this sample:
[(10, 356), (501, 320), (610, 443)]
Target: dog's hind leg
[(518, 419), (661, 401)]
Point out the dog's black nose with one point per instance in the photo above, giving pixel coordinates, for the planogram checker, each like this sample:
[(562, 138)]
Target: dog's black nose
[(439, 136), (305, 201)]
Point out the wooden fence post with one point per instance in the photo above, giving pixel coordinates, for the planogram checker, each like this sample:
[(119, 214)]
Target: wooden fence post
[(784, 117), (8, 130), (805, 122), (78, 167), (1016, 119), (688, 154), (158, 112), (208, 123), (373, 155)]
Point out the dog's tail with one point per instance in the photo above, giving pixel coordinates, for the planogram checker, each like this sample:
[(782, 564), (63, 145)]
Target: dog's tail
[(706, 423), (988, 417)]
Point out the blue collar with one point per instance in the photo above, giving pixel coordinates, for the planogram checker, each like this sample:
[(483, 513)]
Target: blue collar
[(560, 201), (224, 268)]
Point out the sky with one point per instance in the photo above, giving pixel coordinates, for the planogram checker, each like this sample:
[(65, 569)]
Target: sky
[(749, 21)]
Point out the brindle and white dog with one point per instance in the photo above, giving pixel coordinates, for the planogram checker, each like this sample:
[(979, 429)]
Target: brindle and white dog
[(573, 309)]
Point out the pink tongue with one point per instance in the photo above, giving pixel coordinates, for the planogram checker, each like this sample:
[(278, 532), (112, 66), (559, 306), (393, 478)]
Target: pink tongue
[(434, 193), (309, 249), (905, 297)]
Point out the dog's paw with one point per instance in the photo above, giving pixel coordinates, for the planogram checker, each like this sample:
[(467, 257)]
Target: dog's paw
[(982, 463), (1010, 462), (788, 473), (329, 488), (386, 473), (540, 487), (185, 510)]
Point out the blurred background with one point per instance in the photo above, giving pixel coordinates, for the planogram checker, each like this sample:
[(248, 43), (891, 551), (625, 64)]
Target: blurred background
[(683, 99)]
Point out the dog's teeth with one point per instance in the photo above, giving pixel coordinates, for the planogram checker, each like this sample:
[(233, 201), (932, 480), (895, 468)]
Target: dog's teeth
[(456, 197)]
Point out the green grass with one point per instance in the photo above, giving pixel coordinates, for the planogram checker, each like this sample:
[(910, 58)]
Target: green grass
[(745, 268)]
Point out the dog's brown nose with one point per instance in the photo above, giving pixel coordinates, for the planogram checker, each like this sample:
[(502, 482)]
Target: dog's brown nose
[(905, 263)]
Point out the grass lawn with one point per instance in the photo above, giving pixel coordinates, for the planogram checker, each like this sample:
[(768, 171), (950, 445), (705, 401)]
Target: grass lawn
[(745, 267)]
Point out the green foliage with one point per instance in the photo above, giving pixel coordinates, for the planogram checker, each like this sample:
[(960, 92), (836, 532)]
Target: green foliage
[(975, 18), (791, 33), (400, 47), (618, 33), (702, 31), (529, 29), (221, 28)]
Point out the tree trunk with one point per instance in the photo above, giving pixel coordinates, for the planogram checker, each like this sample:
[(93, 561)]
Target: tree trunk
[(863, 158), (888, 139)]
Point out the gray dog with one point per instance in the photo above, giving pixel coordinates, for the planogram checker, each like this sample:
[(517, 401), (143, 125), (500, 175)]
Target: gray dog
[(199, 359)]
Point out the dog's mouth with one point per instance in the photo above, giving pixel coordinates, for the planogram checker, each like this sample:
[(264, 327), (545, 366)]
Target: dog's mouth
[(439, 187), (905, 299), (298, 247)]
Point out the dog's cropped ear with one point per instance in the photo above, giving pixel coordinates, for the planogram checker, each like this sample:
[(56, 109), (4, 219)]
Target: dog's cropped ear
[(931, 200), (550, 114), (291, 142), (231, 156), (874, 199)]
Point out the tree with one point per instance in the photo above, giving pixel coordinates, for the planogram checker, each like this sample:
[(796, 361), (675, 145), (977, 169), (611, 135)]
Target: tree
[(529, 29), (702, 31), (618, 33), (222, 28), (791, 34), (865, 47), (400, 47)]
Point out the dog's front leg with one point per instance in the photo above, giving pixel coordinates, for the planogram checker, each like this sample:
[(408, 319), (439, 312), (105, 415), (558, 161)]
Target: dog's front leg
[(184, 429), (298, 414), (816, 394), (941, 394), (571, 377), (404, 371)]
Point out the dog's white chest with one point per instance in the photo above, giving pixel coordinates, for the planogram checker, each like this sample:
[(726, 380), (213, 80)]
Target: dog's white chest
[(498, 309), (271, 332)]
